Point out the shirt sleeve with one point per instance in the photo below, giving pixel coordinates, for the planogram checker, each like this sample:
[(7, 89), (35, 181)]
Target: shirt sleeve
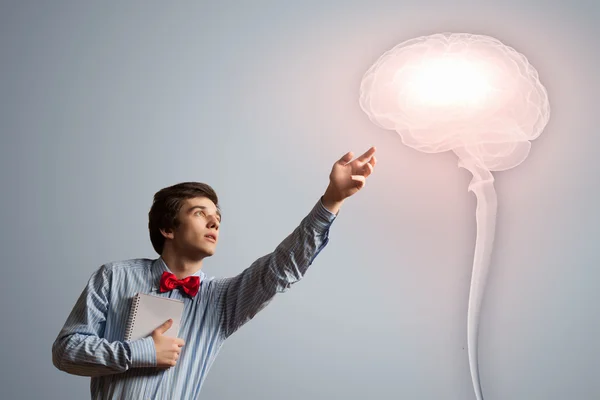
[(241, 297), (80, 348)]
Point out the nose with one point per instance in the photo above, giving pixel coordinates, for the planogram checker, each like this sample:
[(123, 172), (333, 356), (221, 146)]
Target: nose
[(213, 223)]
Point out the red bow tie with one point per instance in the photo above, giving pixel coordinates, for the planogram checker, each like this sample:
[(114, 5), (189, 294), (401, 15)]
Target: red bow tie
[(169, 281)]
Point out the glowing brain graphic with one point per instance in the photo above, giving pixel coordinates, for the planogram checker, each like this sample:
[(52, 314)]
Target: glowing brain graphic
[(470, 94)]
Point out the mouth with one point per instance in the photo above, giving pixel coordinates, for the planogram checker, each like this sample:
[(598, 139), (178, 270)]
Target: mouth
[(211, 238)]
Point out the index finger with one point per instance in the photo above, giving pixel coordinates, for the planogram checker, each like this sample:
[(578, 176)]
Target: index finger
[(367, 155), (179, 342)]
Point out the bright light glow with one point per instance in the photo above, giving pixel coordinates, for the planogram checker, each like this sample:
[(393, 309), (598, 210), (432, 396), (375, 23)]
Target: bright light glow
[(470, 94), (448, 81)]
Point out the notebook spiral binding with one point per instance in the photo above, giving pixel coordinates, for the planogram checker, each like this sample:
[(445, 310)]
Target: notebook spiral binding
[(132, 315)]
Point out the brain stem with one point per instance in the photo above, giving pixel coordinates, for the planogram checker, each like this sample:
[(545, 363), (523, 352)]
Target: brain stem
[(482, 185)]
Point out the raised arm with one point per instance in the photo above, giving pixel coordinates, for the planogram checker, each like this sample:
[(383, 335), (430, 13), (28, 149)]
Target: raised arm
[(244, 295), (80, 348), (241, 297)]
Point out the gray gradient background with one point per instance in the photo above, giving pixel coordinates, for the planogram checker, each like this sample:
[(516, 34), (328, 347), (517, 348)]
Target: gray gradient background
[(104, 104)]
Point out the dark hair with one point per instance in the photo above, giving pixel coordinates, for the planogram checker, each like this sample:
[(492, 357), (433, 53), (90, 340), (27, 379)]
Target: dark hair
[(166, 205)]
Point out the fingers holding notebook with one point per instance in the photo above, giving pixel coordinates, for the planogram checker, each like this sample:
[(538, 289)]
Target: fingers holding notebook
[(167, 348)]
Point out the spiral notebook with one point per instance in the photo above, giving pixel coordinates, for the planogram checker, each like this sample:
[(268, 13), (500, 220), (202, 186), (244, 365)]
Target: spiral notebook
[(148, 312)]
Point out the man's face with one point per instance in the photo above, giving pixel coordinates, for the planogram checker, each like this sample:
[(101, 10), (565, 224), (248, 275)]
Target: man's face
[(199, 219)]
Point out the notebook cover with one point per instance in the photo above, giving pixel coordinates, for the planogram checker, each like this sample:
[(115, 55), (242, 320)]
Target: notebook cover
[(149, 312)]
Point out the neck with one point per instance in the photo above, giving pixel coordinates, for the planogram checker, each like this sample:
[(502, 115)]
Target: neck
[(180, 265)]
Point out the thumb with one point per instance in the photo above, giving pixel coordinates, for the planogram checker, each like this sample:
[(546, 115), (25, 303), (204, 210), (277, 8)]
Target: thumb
[(346, 158), (164, 327)]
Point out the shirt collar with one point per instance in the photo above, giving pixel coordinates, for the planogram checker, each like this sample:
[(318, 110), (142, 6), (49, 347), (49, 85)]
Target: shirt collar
[(159, 266)]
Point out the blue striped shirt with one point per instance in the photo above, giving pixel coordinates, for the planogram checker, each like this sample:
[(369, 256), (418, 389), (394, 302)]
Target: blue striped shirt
[(91, 343)]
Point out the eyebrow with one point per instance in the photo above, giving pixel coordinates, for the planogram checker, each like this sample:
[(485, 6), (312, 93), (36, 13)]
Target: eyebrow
[(204, 208)]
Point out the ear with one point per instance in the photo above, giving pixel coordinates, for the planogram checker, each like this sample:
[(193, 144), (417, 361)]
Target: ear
[(168, 233)]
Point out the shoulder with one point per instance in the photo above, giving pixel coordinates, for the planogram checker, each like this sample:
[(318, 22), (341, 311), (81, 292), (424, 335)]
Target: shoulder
[(210, 284), (132, 265), (216, 286)]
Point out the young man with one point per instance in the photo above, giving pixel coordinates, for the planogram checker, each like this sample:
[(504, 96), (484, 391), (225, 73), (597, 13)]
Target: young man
[(184, 225)]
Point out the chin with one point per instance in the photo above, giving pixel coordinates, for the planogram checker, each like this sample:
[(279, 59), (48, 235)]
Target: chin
[(200, 253), (206, 252)]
